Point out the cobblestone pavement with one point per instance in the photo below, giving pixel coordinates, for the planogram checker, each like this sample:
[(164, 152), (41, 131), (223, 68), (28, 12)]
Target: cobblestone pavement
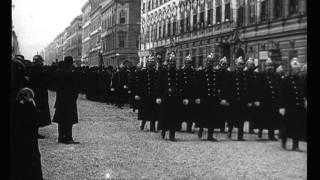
[(112, 146)]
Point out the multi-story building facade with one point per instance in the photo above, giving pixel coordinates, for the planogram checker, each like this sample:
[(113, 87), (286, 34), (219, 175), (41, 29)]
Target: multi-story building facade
[(95, 28), (86, 9), (59, 47), (231, 28), (120, 32), (50, 53), (14, 44), (73, 41)]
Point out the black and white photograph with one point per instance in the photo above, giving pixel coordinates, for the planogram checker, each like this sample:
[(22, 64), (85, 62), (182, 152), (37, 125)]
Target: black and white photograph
[(158, 89)]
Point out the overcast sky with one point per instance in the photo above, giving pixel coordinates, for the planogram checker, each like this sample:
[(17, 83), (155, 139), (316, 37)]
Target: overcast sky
[(38, 22)]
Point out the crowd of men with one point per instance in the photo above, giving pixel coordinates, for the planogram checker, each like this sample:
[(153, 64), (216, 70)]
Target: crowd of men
[(211, 98)]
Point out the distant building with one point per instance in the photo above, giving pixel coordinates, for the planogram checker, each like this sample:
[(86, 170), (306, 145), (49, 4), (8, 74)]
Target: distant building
[(86, 9), (14, 44), (120, 32), (73, 42), (95, 28)]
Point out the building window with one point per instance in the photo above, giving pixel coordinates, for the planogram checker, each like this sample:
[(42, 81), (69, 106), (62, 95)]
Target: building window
[(122, 37), (122, 17), (149, 5), (188, 24), (200, 61), (169, 28), (159, 34), (227, 12), (209, 20), (277, 8), (252, 11), (218, 14), (240, 15), (194, 22), (202, 20), (293, 6), (264, 10), (182, 26), (164, 29), (174, 27)]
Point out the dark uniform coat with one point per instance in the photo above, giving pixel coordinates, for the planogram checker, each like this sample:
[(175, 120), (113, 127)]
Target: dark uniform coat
[(146, 90), (66, 98), (223, 81), (268, 96), (208, 91), (39, 83), (119, 82), (235, 91), (254, 88), (168, 90), (292, 98), (187, 85)]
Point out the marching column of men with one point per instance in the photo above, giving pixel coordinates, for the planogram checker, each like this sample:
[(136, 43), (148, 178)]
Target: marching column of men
[(210, 98)]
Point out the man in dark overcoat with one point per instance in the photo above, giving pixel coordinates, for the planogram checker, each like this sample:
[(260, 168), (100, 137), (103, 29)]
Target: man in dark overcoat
[(293, 106), (66, 114), (39, 83), (235, 95), (267, 100), (208, 99), (119, 85), (224, 73), (186, 81), (145, 91), (168, 97), (254, 112)]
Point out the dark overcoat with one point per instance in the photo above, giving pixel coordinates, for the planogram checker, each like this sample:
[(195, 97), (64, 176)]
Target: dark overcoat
[(25, 154), (208, 93), (235, 91), (146, 90), (39, 83), (292, 98), (168, 91), (187, 86), (268, 96), (66, 98)]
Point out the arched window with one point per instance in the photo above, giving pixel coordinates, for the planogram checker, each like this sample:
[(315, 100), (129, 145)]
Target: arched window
[(123, 15)]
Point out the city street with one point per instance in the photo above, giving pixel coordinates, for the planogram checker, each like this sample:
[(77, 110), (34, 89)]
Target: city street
[(112, 146)]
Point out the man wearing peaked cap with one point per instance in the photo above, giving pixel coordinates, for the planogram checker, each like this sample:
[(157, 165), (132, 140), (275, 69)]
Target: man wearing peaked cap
[(254, 112), (207, 99), (293, 106), (186, 83), (168, 98), (268, 100), (145, 93), (235, 96), (223, 81)]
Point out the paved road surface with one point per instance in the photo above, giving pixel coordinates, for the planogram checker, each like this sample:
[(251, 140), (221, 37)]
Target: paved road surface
[(111, 146)]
